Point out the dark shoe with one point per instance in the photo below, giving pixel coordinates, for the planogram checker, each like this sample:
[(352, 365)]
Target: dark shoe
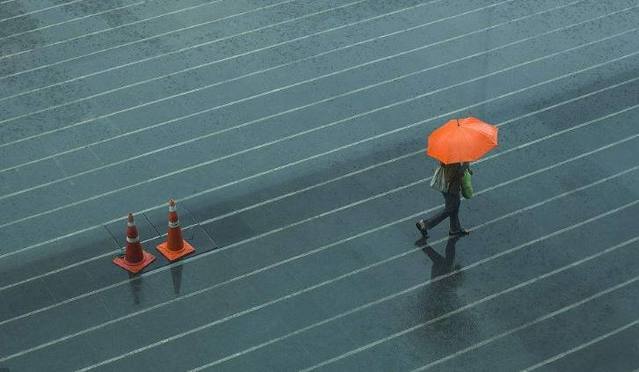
[(459, 233), (422, 228)]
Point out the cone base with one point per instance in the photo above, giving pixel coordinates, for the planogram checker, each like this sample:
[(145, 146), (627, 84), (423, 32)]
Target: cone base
[(175, 255), (147, 258)]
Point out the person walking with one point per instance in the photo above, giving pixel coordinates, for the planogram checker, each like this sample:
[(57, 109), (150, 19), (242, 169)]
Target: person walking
[(448, 180), (455, 144)]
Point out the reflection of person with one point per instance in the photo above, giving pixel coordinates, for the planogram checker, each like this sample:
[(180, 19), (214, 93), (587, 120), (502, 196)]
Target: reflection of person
[(446, 264), (448, 180), (444, 300)]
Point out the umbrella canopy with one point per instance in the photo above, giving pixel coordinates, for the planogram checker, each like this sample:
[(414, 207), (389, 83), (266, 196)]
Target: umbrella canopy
[(462, 140)]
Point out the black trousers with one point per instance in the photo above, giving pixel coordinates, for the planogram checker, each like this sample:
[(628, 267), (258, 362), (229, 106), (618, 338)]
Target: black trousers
[(450, 211)]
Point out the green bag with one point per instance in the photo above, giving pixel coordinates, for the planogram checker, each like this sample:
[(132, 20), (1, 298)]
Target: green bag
[(467, 185)]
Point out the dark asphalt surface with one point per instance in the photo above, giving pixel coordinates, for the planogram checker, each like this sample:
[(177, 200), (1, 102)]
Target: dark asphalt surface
[(292, 135)]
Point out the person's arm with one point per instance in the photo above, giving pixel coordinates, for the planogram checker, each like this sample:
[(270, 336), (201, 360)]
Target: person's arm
[(461, 169), (466, 166)]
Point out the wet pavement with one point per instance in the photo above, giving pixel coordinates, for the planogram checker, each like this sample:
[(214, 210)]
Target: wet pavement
[(292, 135)]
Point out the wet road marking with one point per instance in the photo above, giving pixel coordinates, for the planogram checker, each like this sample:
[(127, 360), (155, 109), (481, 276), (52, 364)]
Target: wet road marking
[(186, 48), (359, 171), (547, 316), (301, 161), (208, 135), (208, 325), (305, 132), (354, 272), (488, 298), (41, 28), (40, 10), (231, 57), (241, 76), (586, 344), (421, 285)]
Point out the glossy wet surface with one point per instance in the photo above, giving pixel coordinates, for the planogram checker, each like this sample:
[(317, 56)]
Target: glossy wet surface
[(292, 135)]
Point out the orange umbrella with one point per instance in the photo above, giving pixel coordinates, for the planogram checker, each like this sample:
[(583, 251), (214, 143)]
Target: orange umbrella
[(462, 140)]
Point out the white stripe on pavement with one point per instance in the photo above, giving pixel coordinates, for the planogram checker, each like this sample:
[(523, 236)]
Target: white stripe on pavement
[(449, 314), (282, 139), (301, 161), (231, 57), (185, 48), (359, 171), (619, 174), (584, 345), (373, 303), (198, 138), (545, 317), (40, 10), (21, 116), (93, 32), (206, 254), (197, 329)]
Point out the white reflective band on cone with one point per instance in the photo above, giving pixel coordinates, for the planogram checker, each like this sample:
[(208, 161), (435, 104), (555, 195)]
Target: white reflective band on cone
[(133, 240), (174, 224)]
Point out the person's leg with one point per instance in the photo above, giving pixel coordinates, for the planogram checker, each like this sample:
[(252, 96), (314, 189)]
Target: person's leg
[(437, 218), (455, 226), (425, 225), (453, 200)]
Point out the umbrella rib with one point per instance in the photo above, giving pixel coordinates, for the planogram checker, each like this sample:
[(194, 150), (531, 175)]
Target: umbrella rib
[(468, 142)]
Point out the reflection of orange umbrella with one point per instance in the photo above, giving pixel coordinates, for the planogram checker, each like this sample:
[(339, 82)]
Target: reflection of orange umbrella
[(462, 140)]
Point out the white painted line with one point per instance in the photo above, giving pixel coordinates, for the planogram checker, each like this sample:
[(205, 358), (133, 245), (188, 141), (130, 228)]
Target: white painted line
[(69, 21), (323, 183), (179, 71), (93, 33), (40, 10), (301, 161), (185, 142), (282, 139), (198, 138), (231, 57), (309, 188), (96, 169), (585, 345), (473, 304), (384, 299), (222, 82), (521, 210), (547, 316), (258, 307), (98, 31), (204, 290), (160, 124), (424, 180), (185, 48)]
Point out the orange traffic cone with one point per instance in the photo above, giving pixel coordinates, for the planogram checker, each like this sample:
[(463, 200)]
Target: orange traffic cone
[(175, 247), (135, 257)]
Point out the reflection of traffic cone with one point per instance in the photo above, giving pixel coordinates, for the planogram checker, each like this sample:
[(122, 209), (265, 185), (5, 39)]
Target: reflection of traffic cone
[(175, 247), (135, 258)]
